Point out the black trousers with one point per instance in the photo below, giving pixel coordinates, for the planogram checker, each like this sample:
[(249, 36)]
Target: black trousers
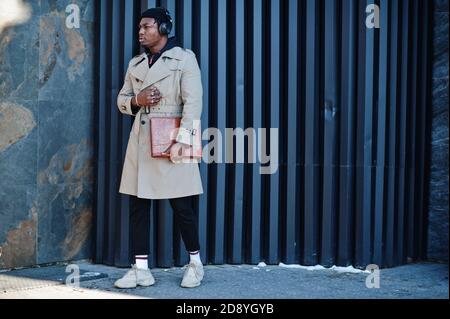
[(184, 216)]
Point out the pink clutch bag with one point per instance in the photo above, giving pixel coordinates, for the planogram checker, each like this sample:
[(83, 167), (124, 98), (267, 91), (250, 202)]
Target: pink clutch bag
[(163, 133)]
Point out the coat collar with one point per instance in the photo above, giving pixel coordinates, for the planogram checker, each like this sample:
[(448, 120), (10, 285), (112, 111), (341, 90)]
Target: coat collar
[(174, 53), (158, 71)]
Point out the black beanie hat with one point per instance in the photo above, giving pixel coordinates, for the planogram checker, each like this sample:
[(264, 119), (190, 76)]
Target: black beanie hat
[(160, 14)]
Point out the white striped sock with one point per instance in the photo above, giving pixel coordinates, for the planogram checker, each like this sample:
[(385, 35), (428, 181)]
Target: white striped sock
[(142, 261), (195, 256)]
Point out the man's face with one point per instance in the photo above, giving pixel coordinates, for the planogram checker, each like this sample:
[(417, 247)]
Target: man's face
[(148, 33)]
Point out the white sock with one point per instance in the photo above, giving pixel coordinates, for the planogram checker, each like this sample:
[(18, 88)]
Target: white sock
[(142, 261), (195, 256)]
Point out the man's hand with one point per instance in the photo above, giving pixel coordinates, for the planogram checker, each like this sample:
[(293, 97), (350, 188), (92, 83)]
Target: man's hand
[(176, 152), (148, 97)]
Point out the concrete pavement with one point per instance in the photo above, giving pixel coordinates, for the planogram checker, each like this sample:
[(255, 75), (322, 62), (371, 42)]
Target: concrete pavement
[(421, 280)]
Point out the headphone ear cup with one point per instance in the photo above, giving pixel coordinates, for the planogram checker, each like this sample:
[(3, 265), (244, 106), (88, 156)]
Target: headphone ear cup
[(164, 28)]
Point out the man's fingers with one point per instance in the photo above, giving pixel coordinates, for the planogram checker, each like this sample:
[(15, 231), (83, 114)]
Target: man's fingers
[(152, 96), (153, 102), (152, 89), (175, 151)]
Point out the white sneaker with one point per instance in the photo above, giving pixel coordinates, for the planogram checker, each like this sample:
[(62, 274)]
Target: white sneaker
[(135, 277), (193, 275)]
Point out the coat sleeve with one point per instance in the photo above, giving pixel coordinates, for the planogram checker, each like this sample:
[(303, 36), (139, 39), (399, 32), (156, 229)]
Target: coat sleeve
[(125, 95), (192, 95)]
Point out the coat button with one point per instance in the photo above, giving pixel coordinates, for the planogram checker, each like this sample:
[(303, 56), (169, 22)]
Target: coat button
[(143, 122)]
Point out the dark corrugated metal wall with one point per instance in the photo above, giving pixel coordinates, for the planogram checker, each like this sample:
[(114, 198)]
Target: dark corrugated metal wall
[(351, 105)]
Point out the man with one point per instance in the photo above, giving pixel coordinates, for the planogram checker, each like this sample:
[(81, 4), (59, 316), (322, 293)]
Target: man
[(163, 81)]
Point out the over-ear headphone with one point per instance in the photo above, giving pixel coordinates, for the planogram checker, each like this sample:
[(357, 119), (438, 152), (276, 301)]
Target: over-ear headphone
[(165, 27)]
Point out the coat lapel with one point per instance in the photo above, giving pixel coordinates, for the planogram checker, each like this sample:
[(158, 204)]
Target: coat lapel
[(140, 69), (148, 76), (156, 73)]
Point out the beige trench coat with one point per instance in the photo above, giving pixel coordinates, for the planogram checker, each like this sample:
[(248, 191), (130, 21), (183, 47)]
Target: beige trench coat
[(177, 76)]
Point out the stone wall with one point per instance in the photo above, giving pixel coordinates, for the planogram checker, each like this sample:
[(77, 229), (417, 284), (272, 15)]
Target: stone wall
[(438, 204), (46, 136)]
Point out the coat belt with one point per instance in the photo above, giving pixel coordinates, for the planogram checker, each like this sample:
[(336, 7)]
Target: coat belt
[(157, 111)]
